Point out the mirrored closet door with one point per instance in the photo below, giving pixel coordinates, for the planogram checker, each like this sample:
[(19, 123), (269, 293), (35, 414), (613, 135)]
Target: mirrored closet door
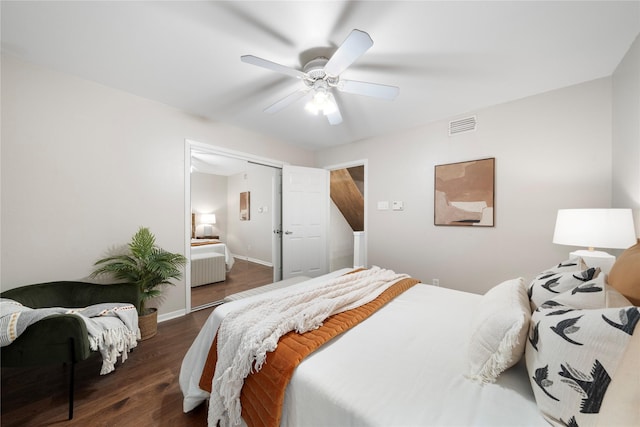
[(235, 217)]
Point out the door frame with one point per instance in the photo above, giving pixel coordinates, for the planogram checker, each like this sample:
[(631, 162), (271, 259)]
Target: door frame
[(350, 164), (213, 149)]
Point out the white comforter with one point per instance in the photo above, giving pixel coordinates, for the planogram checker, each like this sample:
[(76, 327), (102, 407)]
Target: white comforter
[(203, 251), (404, 366)]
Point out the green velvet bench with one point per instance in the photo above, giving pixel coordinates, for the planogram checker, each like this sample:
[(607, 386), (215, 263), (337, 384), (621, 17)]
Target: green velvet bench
[(60, 338)]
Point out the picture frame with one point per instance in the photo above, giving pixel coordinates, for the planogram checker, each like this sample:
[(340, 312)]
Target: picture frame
[(464, 193), (245, 206)]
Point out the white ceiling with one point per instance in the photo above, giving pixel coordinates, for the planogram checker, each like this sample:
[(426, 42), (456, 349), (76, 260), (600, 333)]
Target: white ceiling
[(448, 58), (205, 161)]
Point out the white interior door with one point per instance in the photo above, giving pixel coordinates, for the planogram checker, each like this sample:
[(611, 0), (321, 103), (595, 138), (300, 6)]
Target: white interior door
[(305, 221)]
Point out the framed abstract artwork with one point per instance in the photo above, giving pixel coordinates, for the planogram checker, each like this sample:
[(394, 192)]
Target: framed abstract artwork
[(464, 193)]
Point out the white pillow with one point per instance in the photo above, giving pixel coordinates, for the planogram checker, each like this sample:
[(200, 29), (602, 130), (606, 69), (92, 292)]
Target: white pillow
[(499, 330)]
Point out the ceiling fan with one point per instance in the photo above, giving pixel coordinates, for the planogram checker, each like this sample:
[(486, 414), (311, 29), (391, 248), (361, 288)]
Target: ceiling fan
[(321, 75)]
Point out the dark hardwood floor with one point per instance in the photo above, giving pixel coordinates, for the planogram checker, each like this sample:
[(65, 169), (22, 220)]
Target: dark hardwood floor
[(244, 275), (143, 391)]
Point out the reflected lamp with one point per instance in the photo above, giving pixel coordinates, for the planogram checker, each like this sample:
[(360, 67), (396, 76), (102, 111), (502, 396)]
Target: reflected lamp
[(207, 221)]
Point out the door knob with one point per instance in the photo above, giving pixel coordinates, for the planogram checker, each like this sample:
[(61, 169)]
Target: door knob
[(288, 232)]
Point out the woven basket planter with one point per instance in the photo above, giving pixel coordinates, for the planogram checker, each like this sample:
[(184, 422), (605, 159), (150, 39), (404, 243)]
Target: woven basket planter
[(148, 324)]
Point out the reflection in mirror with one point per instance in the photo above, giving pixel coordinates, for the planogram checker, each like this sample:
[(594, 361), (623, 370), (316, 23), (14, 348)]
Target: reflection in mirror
[(244, 206), (232, 246)]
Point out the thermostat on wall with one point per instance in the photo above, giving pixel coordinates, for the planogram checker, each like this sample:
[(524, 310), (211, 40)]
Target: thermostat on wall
[(397, 206)]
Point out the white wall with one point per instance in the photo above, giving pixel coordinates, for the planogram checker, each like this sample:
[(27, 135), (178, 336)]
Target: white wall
[(552, 151), (626, 133), (209, 195), (252, 239), (340, 240), (83, 166)]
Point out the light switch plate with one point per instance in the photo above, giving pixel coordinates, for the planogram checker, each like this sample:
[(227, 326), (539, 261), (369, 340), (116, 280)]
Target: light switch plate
[(383, 206), (397, 206)]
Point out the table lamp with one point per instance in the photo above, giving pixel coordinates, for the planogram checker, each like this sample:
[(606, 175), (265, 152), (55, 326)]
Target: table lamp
[(595, 228), (207, 221)]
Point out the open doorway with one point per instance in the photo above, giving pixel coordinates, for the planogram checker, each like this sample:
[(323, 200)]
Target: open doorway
[(348, 215)]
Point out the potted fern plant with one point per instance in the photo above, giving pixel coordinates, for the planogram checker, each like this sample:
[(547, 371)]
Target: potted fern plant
[(146, 266)]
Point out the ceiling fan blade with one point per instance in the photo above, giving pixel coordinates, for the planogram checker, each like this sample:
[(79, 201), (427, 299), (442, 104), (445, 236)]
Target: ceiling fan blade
[(286, 101), (357, 43), (254, 60), (373, 90), (334, 117)]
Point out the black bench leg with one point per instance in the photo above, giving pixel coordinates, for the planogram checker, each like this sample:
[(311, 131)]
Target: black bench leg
[(71, 386), (71, 379)]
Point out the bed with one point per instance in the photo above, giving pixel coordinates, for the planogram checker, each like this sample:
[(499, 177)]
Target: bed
[(200, 247), (436, 356)]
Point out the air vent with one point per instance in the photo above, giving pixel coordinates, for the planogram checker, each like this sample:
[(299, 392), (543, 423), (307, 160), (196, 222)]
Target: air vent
[(467, 124)]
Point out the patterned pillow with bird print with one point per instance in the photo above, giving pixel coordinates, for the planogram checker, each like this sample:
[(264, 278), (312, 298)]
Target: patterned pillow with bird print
[(572, 353), (595, 293), (555, 281)]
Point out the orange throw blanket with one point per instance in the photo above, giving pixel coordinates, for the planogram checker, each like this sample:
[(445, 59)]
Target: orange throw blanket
[(263, 392)]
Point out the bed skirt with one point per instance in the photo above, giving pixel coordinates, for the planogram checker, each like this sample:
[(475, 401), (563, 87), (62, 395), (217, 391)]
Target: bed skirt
[(207, 270)]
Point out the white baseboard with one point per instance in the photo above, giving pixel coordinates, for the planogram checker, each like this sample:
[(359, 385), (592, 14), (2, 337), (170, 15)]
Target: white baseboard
[(258, 261), (172, 315), (254, 260)]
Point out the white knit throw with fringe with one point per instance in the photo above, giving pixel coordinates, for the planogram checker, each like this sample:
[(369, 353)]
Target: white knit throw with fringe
[(113, 336), (112, 327), (246, 335)]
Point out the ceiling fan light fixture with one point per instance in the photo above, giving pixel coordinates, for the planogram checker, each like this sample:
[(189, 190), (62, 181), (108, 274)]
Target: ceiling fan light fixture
[(312, 108), (321, 75), (322, 101), (331, 106)]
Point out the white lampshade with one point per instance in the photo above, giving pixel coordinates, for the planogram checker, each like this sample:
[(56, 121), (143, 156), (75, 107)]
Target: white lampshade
[(208, 218), (322, 101), (595, 228)]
